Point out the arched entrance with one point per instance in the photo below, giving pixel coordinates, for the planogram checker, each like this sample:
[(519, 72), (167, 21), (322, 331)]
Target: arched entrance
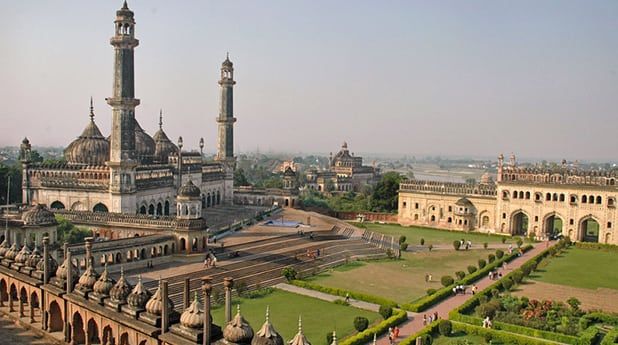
[(589, 230), (124, 339), (4, 293), (142, 210), (107, 335), (166, 208), (159, 209), (78, 335), (100, 208), (57, 205), (519, 224), (55, 317), (183, 244), (553, 225), (93, 332)]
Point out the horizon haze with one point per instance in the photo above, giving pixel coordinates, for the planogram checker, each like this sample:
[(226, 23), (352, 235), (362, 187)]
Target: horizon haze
[(443, 78)]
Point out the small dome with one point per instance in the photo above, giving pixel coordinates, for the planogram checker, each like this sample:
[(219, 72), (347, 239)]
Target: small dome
[(155, 304), (299, 338), (88, 279), (289, 172), (23, 255), (238, 330), (52, 265), (38, 215), (12, 252), (34, 258), (227, 62), (4, 248), (121, 290), (267, 334), (193, 317), (90, 147), (104, 284), (139, 296), (61, 272), (163, 145), (144, 144), (189, 190), (463, 202)]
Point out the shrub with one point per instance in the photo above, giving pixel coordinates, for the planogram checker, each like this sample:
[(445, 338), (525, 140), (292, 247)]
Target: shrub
[(503, 240), (482, 263), (491, 258), (471, 269), (460, 274), (431, 292), (574, 303), (403, 247), (289, 273), (485, 245), (422, 241), (519, 242), (445, 327), (517, 276), (507, 284), (361, 323), (385, 311), (499, 253), (488, 338), (447, 280), (329, 337), (456, 244), (489, 309), (402, 239)]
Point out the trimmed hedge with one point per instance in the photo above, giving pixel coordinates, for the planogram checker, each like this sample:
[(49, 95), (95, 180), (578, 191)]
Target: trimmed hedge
[(589, 336), (425, 302), (502, 336), (598, 317), (599, 246), (341, 292), (610, 338), (429, 330), (366, 336)]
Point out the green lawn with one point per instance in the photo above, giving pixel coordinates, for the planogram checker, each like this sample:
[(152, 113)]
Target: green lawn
[(319, 317), (400, 280), (582, 268), (431, 236)]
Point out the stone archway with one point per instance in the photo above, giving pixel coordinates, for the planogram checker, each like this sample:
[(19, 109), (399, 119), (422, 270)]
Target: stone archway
[(108, 337), (93, 332), (35, 307), (553, 224), (519, 223), (4, 292), (183, 244), (57, 205), (55, 318), (78, 334), (124, 339), (589, 229)]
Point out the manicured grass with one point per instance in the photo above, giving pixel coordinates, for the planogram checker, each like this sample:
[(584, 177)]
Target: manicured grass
[(319, 317), (460, 338), (400, 280), (432, 236), (582, 268)]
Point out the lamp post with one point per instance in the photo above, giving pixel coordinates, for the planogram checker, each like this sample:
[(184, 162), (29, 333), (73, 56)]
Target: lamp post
[(202, 148), (179, 161)]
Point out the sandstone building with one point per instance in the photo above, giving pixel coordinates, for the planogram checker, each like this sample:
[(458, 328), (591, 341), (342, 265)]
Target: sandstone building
[(525, 201)]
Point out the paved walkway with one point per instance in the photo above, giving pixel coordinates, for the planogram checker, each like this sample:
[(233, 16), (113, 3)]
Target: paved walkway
[(415, 320)]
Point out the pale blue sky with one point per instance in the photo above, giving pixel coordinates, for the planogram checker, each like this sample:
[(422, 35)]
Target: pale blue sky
[(538, 78)]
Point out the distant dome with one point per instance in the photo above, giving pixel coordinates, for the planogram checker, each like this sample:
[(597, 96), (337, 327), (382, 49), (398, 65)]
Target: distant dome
[(144, 144), (163, 145), (289, 172), (90, 147), (238, 330), (38, 215), (463, 202), (227, 62), (189, 190)]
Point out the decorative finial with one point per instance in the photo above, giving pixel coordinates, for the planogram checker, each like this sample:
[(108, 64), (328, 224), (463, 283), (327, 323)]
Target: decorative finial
[(121, 271), (160, 118), (374, 339), (300, 324), (227, 55), (238, 309), (267, 313), (125, 6), (91, 110), (334, 338), (195, 296)]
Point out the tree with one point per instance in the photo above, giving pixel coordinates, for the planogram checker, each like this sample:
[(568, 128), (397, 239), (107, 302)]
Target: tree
[(574, 303), (386, 311), (361, 323), (456, 244), (14, 171), (385, 196), (239, 178), (445, 327), (68, 232), (289, 273), (447, 280)]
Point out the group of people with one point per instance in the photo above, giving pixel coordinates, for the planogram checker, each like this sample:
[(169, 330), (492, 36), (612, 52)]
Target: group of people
[(495, 275), (393, 334), (429, 319), (465, 244), (428, 277), (211, 260), (487, 322)]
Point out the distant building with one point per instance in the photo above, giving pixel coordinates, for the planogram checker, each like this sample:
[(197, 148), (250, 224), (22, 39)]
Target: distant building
[(346, 172), (525, 201)]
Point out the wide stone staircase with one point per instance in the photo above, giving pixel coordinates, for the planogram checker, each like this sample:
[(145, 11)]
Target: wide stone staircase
[(259, 263)]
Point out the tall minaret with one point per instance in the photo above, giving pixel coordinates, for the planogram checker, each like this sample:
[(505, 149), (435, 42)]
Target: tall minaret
[(226, 119), (122, 153)]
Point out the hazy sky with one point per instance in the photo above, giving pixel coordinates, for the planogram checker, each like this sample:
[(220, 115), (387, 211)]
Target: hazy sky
[(538, 78)]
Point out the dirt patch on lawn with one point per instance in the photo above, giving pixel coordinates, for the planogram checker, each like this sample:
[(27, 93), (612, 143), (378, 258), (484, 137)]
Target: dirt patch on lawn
[(602, 298)]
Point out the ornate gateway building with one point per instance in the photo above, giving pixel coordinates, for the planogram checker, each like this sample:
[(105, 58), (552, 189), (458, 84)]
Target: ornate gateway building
[(130, 171), (527, 201)]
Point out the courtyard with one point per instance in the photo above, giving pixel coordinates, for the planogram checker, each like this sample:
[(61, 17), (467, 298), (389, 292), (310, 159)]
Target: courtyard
[(319, 317), (400, 280)]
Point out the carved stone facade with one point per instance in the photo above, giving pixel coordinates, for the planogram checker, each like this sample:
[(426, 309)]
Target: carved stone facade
[(526, 201)]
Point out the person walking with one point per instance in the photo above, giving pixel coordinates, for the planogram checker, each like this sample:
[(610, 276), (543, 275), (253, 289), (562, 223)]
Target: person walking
[(390, 335), (347, 297), (424, 319), (214, 261)]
